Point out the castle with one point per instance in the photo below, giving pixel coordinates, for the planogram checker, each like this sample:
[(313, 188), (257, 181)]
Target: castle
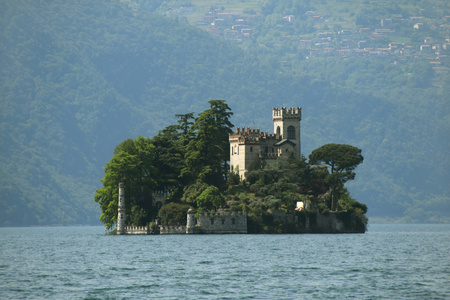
[(246, 144)]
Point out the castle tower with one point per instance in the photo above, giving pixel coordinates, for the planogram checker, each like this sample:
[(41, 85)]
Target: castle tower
[(286, 123), (247, 145), (190, 222), (121, 213)]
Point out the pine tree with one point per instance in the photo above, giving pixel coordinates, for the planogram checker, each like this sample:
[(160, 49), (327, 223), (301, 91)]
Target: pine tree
[(207, 154)]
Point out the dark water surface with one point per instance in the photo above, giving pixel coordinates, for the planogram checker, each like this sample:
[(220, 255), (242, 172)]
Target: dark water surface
[(388, 262)]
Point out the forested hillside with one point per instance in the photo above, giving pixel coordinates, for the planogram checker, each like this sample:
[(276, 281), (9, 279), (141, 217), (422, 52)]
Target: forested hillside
[(78, 78)]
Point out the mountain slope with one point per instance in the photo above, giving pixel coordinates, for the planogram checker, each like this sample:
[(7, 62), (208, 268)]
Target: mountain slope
[(79, 78)]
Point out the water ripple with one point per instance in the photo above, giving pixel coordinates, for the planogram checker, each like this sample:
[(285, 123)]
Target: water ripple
[(390, 261)]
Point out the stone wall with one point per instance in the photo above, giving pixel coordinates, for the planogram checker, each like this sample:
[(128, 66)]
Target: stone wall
[(221, 222), (137, 230), (229, 222), (340, 222), (172, 230), (306, 222)]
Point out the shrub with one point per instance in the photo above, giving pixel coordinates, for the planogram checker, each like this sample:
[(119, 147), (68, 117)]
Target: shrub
[(173, 214)]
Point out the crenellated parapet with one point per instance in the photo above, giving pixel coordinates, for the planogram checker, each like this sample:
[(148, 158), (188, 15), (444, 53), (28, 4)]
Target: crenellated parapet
[(287, 113), (221, 222), (137, 230), (159, 196), (221, 213), (252, 136), (172, 230)]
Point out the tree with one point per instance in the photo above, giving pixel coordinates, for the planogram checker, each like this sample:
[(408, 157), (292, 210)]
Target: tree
[(168, 158), (132, 163), (185, 122), (192, 192), (208, 153), (211, 198), (173, 214), (120, 166), (341, 159)]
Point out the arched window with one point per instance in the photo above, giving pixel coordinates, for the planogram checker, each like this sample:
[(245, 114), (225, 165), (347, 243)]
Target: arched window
[(291, 133), (278, 130)]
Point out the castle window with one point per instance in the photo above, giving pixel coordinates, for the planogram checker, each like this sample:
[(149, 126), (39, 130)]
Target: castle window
[(278, 130), (251, 149), (266, 150), (223, 221), (233, 221), (212, 221), (291, 133)]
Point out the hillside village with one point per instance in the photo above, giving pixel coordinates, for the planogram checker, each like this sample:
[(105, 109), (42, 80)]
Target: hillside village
[(397, 37), (366, 41)]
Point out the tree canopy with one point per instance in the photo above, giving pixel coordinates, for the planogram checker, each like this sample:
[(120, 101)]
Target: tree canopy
[(207, 153), (342, 160), (187, 162)]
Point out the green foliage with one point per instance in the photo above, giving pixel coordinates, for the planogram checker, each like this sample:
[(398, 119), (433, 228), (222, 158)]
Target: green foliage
[(211, 199), (342, 160), (193, 191), (169, 158), (132, 164), (158, 164), (173, 214), (233, 179), (208, 152), (348, 203), (138, 216)]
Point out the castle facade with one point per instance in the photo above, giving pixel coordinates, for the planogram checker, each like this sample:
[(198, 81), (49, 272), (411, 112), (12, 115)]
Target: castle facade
[(246, 144)]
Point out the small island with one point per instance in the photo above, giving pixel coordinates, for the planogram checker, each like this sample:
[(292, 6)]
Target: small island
[(199, 176)]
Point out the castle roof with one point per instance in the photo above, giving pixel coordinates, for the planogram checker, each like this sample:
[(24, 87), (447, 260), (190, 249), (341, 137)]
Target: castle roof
[(284, 141)]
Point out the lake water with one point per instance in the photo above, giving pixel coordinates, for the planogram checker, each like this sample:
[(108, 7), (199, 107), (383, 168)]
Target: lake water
[(387, 262)]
